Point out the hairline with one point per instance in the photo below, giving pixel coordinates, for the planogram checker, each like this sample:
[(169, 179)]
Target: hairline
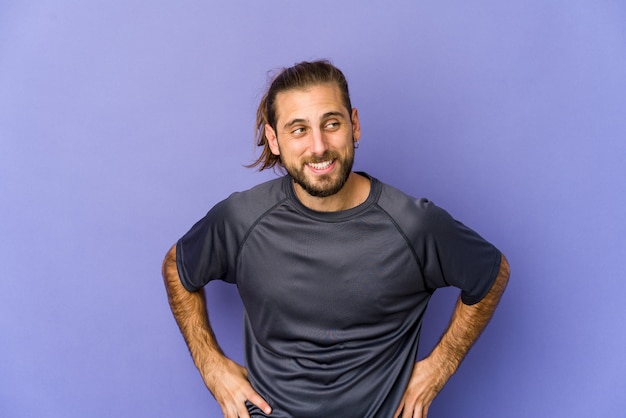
[(345, 101)]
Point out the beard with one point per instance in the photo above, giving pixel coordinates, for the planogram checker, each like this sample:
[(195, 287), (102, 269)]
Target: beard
[(327, 184)]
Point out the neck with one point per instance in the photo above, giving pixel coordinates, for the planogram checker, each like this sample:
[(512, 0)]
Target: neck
[(353, 193)]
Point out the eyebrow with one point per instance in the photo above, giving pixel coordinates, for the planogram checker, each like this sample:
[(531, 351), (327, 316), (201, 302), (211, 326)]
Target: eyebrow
[(293, 122), (324, 116)]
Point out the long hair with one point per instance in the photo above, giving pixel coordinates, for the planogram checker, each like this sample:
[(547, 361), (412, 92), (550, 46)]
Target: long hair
[(300, 76)]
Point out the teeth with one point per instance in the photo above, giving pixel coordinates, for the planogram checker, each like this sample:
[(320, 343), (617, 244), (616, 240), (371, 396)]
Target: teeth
[(321, 166)]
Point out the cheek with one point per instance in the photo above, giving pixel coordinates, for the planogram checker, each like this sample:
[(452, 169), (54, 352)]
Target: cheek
[(292, 149)]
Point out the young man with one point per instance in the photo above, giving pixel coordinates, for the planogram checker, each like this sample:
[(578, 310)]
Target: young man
[(335, 270)]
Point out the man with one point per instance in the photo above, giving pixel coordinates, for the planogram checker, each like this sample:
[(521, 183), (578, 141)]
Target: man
[(334, 269)]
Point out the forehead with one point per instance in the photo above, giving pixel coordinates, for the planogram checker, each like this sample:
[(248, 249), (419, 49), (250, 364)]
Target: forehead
[(308, 103)]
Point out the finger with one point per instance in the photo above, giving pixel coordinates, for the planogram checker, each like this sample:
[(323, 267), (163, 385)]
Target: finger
[(411, 409), (259, 402), (418, 412), (229, 411), (421, 409), (243, 412), (400, 408)]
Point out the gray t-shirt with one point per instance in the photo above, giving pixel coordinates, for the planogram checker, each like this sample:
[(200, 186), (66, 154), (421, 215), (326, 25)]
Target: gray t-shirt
[(333, 301)]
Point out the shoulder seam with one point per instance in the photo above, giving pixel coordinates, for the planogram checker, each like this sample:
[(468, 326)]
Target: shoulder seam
[(407, 241), (255, 223)]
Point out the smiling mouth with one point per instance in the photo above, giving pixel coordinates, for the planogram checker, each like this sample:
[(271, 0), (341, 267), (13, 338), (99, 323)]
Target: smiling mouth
[(320, 166)]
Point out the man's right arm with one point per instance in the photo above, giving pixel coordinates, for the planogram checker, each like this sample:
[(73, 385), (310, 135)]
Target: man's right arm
[(226, 379)]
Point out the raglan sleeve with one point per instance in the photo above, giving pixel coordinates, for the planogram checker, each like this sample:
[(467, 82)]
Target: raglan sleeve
[(455, 255), (207, 251)]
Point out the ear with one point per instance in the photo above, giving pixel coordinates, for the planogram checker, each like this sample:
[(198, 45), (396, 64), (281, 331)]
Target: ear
[(272, 139), (356, 125)]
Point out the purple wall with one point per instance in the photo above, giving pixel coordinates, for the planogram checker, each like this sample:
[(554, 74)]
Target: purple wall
[(122, 122)]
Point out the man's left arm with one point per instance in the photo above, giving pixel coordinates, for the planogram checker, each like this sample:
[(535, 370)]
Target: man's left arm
[(431, 374)]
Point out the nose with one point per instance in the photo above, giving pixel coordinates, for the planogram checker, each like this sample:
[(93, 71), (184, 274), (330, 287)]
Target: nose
[(318, 145)]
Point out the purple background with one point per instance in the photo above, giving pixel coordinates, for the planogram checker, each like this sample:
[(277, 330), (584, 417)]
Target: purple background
[(123, 122)]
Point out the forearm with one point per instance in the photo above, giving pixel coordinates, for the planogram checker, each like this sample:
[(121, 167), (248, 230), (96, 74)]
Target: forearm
[(226, 379), (189, 309), (466, 325), (432, 373)]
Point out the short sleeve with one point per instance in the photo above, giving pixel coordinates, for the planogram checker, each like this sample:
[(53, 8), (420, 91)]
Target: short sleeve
[(455, 255), (202, 254), (209, 250)]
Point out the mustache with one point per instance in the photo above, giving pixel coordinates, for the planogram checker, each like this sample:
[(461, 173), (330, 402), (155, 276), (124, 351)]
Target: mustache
[(328, 155)]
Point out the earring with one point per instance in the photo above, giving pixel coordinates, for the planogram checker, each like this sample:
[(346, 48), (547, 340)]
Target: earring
[(356, 144)]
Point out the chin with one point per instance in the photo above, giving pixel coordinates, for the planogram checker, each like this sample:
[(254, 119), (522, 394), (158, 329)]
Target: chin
[(322, 187)]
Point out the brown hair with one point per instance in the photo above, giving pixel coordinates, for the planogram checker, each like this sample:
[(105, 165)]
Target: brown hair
[(300, 76)]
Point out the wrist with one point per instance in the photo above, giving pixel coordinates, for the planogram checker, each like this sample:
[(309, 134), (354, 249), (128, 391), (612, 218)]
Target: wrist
[(445, 364)]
